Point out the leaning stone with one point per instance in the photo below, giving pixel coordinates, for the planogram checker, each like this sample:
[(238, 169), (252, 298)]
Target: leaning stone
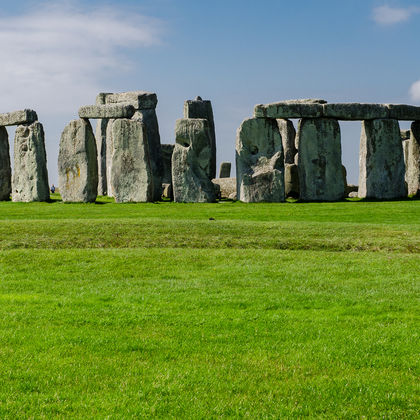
[(77, 163), (259, 161), (167, 150), (227, 186), (191, 161), (131, 172), (413, 160), (106, 111), (355, 111), (27, 116), (404, 112), (199, 108), (291, 180), (138, 99), (224, 171), (381, 160), (100, 136), (295, 108), (405, 134), (320, 167), (5, 168), (288, 135), (30, 175)]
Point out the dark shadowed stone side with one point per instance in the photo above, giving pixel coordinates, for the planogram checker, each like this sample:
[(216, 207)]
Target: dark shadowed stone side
[(167, 150), (291, 180), (355, 111), (30, 175), (5, 169), (413, 160), (259, 161), (404, 112), (78, 163), (288, 135), (191, 161), (405, 134), (319, 164), (100, 136), (227, 186), (224, 171), (381, 160)]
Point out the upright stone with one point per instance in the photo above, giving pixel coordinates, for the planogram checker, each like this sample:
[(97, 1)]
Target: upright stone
[(319, 164), (5, 169), (291, 180), (202, 109), (406, 146), (381, 160), (78, 163), (191, 161), (259, 161), (100, 136), (224, 171), (109, 150), (167, 150), (131, 172), (413, 160), (30, 175), (288, 135)]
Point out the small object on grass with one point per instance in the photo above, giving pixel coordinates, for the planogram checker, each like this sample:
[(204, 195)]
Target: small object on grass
[(212, 218)]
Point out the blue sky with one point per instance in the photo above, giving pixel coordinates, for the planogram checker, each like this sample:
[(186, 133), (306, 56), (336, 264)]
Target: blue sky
[(58, 54)]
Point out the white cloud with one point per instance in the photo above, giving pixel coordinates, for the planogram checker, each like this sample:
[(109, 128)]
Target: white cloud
[(55, 56), (386, 15), (415, 91)]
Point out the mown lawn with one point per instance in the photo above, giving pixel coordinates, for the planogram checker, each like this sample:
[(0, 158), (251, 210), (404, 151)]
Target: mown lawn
[(156, 310)]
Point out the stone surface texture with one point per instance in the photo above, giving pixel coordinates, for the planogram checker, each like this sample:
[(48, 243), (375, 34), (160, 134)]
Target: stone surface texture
[(109, 150), (288, 137), (355, 111), (291, 180), (101, 97), (319, 164), (30, 175), (26, 116), (191, 161), (224, 171), (5, 168), (404, 112), (137, 99), (289, 109), (259, 161), (106, 111), (100, 136), (381, 160), (413, 160), (131, 172), (78, 163), (167, 150), (406, 146), (227, 186)]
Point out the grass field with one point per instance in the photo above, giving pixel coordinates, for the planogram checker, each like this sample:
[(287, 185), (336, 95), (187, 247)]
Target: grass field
[(220, 310)]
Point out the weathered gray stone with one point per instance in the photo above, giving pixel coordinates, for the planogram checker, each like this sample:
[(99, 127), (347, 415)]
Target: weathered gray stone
[(100, 136), (191, 161), (149, 119), (291, 180), (406, 145), (288, 136), (167, 150), (202, 109), (106, 111), (224, 171), (296, 160), (131, 172), (138, 99), (27, 116), (320, 168), (413, 160), (353, 194), (295, 108), (227, 186), (101, 98), (355, 111), (351, 188), (109, 150), (404, 112), (259, 161), (78, 163), (233, 196), (5, 169), (405, 134), (381, 160), (167, 191), (30, 175)]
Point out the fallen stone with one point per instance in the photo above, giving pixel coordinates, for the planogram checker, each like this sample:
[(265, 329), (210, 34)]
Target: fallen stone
[(381, 160), (291, 180), (405, 134), (355, 111), (288, 135), (27, 116), (100, 136), (138, 99), (227, 186), (259, 161), (351, 188), (131, 172), (30, 175), (224, 171), (106, 111), (353, 194), (191, 161), (5, 168), (320, 167), (77, 163), (404, 112), (167, 150), (413, 160)]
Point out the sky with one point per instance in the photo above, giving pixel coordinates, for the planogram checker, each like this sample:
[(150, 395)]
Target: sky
[(57, 55)]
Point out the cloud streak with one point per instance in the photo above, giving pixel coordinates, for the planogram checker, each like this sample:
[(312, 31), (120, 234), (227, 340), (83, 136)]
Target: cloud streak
[(387, 15)]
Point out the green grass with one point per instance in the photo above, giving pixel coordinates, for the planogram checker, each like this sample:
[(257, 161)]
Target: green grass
[(153, 310)]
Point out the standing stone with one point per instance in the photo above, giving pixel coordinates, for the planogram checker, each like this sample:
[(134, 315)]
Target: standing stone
[(291, 180), (202, 109), (259, 161), (131, 172), (288, 135), (224, 171), (381, 160), (77, 163), (5, 169), (191, 161), (100, 136), (30, 175), (109, 150), (413, 160), (405, 145), (320, 168)]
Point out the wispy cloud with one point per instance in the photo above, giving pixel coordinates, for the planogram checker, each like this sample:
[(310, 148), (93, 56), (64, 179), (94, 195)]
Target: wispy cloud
[(56, 55), (415, 91), (387, 15)]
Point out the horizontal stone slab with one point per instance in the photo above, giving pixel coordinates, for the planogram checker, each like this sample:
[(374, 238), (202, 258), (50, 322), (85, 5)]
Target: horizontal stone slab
[(106, 111), (138, 99), (27, 116), (355, 111), (289, 109), (404, 112)]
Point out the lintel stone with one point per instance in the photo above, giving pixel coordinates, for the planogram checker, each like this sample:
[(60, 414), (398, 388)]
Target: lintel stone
[(404, 112), (138, 99), (355, 111), (26, 116), (106, 111), (289, 109)]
